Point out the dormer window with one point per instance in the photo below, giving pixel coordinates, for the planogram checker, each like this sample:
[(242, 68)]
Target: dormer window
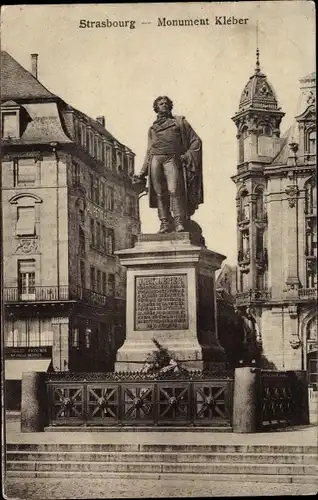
[(10, 120), (265, 129)]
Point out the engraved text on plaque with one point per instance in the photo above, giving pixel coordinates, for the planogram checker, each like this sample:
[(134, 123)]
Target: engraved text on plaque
[(161, 302)]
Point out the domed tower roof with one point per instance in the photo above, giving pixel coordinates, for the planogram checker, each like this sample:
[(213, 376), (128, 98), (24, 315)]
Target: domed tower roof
[(258, 93)]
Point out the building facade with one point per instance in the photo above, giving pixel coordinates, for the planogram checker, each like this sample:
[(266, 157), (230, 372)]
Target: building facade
[(277, 223), (68, 204)]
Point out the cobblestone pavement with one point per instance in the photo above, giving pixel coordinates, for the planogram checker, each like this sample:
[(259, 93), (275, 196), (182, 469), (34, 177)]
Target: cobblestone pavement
[(59, 488)]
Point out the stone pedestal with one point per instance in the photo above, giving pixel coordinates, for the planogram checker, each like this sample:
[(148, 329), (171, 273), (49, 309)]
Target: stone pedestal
[(170, 297), (245, 404), (33, 402)]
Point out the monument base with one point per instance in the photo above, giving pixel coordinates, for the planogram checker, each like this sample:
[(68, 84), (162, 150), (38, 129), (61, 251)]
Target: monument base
[(171, 298)]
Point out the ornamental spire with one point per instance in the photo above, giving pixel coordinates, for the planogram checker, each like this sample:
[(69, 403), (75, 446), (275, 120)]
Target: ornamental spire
[(257, 68)]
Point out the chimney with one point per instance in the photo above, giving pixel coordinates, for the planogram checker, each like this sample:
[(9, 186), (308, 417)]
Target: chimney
[(34, 65), (101, 120)]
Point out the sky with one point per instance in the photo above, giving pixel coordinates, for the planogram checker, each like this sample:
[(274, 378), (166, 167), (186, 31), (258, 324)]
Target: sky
[(118, 72)]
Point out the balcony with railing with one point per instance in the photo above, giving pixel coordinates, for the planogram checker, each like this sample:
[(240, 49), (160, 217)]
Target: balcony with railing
[(253, 295), (307, 293), (49, 294)]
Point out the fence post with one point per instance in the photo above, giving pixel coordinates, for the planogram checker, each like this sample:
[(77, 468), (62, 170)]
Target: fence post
[(33, 402), (246, 396)]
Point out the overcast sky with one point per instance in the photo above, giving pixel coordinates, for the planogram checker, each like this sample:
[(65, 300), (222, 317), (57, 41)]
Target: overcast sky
[(118, 72)]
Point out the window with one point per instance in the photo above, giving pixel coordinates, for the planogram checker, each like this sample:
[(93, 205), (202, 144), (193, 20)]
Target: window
[(244, 210), (125, 164), (259, 243), (104, 283), (91, 186), (95, 151), (130, 166), (96, 191), (111, 284), (108, 157), (104, 238), (91, 143), (93, 281), (76, 172), (102, 196), (26, 279), (99, 281), (92, 230), (83, 132), (110, 198), (10, 124), (311, 142), (25, 221), (110, 242), (82, 275), (265, 129), (78, 131), (24, 171), (75, 337), (259, 204), (310, 196), (98, 235), (81, 239), (114, 159), (87, 139)]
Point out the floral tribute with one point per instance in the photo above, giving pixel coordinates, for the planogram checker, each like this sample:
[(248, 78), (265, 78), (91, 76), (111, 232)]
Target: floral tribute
[(161, 360)]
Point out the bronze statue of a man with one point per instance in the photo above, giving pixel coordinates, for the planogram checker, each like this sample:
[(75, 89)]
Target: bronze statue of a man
[(174, 165)]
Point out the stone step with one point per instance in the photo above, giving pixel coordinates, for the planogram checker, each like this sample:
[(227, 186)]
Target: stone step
[(186, 457), (161, 448), (163, 467), (218, 427), (236, 478)]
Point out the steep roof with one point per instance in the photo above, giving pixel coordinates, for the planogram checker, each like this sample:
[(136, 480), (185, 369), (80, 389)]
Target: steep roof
[(18, 83)]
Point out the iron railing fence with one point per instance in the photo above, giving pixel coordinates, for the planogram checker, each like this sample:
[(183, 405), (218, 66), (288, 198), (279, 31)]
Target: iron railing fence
[(59, 293), (139, 399), (281, 399)]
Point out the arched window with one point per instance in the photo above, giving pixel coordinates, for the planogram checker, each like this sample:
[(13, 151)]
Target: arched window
[(265, 129), (244, 207), (25, 213), (311, 142)]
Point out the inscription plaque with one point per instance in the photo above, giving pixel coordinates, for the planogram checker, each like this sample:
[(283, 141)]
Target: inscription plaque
[(161, 302)]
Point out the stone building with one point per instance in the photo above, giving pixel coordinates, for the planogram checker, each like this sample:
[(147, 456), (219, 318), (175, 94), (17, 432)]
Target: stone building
[(68, 204), (276, 222)]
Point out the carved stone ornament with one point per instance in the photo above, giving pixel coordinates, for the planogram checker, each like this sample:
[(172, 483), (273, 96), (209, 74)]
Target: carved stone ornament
[(292, 193), (311, 99), (27, 246), (295, 342)]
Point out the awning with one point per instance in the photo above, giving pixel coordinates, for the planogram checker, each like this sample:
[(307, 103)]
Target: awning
[(14, 368)]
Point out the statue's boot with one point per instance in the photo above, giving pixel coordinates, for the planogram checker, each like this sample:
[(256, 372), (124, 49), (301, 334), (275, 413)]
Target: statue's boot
[(178, 214), (163, 214)]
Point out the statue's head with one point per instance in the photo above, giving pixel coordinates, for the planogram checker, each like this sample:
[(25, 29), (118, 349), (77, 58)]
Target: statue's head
[(162, 104)]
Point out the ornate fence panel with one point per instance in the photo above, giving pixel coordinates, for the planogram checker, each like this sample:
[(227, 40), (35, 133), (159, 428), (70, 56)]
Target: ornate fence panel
[(280, 399), (66, 403), (137, 399)]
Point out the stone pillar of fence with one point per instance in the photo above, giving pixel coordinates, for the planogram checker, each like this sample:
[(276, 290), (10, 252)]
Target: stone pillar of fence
[(300, 396), (33, 402), (246, 399)]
